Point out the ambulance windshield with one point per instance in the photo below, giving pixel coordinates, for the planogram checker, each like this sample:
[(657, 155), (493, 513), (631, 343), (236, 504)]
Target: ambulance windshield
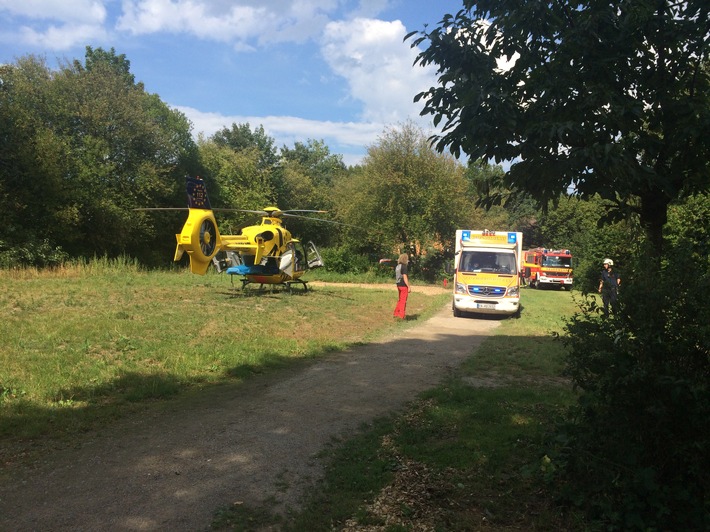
[(488, 262)]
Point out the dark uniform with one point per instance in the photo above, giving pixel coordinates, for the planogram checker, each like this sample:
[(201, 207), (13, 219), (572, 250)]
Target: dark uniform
[(609, 287)]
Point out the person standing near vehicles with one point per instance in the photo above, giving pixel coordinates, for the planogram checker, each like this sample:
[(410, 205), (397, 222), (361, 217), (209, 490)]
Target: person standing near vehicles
[(401, 275), (609, 286)]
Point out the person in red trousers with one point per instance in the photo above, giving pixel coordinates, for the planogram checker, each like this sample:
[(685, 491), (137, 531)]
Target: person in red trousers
[(403, 286)]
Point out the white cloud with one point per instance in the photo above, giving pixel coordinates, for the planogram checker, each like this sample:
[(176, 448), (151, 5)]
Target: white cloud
[(368, 54), (69, 11), (71, 22), (243, 23), (61, 37), (378, 68), (267, 21), (150, 16), (347, 138), (377, 65)]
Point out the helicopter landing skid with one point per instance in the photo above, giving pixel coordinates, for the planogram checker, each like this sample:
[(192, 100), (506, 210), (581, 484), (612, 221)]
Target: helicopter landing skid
[(287, 284), (304, 284)]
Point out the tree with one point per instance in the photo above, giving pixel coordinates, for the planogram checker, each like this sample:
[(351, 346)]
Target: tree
[(100, 58), (86, 146), (124, 148), (31, 190), (609, 98), (321, 168), (240, 137), (235, 179), (519, 211), (633, 452), (404, 193), (304, 180)]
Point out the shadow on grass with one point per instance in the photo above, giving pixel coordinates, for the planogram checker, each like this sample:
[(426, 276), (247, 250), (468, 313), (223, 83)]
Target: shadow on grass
[(360, 475), (81, 408)]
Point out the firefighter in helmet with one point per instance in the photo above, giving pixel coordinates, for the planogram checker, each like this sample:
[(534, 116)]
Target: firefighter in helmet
[(609, 286)]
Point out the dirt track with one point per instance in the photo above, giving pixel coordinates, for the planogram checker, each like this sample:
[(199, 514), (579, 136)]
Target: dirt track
[(252, 443)]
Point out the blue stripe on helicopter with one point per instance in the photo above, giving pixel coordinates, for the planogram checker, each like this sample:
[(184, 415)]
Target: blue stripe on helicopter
[(243, 269)]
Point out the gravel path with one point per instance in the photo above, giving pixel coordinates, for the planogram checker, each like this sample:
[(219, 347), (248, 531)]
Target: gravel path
[(171, 468)]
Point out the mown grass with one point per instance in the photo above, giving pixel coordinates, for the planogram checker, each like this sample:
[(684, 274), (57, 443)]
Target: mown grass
[(467, 455), (87, 343)]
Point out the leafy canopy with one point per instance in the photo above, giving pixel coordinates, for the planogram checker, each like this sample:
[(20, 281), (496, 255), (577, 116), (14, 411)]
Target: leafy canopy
[(609, 98), (405, 193)]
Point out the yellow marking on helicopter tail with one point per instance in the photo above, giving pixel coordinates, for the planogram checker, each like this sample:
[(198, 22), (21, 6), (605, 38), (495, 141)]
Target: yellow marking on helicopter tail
[(197, 266), (237, 243), (179, 250), (259, 250), (185, 234)]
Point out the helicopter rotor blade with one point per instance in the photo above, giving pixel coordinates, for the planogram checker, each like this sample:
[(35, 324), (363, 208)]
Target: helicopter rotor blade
[(322, 220), (303, 217), (289, 211), (272, 213), (162, 209), (260, 213)]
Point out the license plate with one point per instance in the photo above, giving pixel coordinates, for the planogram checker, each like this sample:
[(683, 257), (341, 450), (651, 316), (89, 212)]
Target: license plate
[(485, 305)]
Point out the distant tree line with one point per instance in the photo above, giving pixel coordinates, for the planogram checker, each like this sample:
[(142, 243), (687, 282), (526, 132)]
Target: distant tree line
[(84, 144)]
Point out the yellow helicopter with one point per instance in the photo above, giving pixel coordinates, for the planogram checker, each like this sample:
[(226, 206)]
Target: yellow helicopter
[(266, 254)]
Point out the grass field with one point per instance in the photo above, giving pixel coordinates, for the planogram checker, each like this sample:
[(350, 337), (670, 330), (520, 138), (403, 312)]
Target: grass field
[(85, 344)]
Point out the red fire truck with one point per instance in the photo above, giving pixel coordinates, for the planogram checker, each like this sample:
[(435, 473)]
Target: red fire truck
[(552, 267)]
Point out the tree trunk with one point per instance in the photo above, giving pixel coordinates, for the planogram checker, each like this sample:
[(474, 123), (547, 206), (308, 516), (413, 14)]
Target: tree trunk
[(654, 214)]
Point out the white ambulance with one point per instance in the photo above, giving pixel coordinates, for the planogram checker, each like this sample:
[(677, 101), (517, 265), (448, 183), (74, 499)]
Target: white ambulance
[(486, 272)]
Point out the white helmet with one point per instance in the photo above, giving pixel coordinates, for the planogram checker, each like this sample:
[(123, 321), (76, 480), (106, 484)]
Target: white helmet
[(609, 262)]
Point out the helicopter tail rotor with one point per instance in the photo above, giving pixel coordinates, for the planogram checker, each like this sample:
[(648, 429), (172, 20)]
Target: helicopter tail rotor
[(199, 236), (200, 239)]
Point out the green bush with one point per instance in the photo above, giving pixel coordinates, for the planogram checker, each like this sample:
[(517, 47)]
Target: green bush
[(635, 454), (432, 266), (344, 260), (39, 254)]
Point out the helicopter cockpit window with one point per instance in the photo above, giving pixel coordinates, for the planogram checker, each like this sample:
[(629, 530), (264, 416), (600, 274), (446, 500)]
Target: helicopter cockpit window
[(299, 257)]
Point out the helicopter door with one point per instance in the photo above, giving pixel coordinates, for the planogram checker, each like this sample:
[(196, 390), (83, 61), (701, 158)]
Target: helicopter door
[(292, 260), (287, 262), (313, 256)]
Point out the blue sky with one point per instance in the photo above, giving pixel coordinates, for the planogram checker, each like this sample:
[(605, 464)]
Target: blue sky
[(331, 70)]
